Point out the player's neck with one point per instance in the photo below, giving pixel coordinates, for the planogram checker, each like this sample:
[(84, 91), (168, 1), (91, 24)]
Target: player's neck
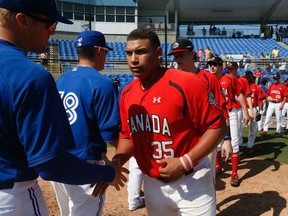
[(147, 83)]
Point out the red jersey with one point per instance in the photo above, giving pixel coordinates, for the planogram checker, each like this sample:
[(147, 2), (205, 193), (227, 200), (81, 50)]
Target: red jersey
[(286, 93), (230, 89), (168, 119), (256, 94), (257, 73), (245, 89), (262, 96), (277, 91), (214, 86)]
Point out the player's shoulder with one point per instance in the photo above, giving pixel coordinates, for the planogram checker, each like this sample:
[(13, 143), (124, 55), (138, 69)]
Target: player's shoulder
[(184, 80), (179, 76)]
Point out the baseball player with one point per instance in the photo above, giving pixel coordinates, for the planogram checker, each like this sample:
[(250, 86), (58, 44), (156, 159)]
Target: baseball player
[(264, 91), (231, 90), (170, 130), (285, 108), (256, 97), (34, 130), (91, 104), (244, 85), (277, 93), (184, 55)]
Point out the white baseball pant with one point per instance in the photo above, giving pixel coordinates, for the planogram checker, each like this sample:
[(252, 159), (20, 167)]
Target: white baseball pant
[(234, 129), (284, 112), (74, 200), (135, 182), (273, 108), (191, 195), (260, 123), (252, 130), (25, 198), (240, 125)]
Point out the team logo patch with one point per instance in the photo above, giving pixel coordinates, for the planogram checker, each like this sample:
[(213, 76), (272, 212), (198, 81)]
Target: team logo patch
[(157, 100), (79, 42), (211, 98), (175, 45)]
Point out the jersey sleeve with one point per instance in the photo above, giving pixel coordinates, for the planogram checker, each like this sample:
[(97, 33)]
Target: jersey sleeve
[(203, 108)]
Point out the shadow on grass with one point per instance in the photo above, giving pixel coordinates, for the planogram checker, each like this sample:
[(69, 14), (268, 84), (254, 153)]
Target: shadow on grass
[(253, 204)]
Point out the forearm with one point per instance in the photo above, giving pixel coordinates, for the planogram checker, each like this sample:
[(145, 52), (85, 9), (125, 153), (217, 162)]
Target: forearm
[(209, 141), (249, 102), (242, 102), (71, 170), (124, 151)]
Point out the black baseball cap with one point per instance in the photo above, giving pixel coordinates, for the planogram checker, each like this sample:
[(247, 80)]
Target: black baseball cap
[(214, 60), (44, 7), (248, 74), (232, 65), (276, 76), (181, 45)]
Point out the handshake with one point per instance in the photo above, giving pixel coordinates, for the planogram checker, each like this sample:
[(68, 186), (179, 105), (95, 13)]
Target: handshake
[(118, 181)]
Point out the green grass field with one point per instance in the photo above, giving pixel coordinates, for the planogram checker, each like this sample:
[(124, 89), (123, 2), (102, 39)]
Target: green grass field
[(268, 147)]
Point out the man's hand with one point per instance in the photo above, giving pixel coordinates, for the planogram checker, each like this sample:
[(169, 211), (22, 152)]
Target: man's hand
[(118, 181), (226, 150), (172, 169), (246, 118)]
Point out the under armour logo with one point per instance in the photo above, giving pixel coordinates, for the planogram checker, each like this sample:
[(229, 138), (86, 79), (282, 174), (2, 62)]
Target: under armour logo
[(158, 100)]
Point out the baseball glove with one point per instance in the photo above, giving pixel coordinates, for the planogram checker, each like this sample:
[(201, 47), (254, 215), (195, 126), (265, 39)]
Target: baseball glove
[(258, 117)]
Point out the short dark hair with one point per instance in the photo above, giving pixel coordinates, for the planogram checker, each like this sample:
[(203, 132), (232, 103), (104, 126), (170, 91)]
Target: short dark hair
[(142, 33), (86, 52)]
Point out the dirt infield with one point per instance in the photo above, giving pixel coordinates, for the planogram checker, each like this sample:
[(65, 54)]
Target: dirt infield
[(263, 191)]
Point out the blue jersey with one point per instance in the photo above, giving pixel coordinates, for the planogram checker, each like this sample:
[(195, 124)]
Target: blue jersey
[(90, 100), (33, 124)]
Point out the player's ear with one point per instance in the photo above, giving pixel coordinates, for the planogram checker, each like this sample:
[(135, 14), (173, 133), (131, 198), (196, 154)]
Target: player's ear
[(22, 20), (160, 53)]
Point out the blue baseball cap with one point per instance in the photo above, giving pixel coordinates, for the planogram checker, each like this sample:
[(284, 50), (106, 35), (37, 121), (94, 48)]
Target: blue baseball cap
[(44, 7), (91, 38)]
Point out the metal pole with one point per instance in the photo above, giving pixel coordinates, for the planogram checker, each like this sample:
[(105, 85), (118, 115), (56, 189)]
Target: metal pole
[(166, 46), (90, 17)]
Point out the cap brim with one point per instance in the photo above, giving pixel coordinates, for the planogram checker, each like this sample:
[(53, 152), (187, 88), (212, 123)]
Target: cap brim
[(109, 48), (231, 67), (61, 19), (177, 51)]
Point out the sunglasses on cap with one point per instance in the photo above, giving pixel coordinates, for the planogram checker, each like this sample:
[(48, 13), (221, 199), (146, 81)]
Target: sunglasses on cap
[(51, 24), (103, 48)]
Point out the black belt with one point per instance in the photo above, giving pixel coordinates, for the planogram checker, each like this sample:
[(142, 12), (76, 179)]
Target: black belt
[(274, 102), (4, 186)]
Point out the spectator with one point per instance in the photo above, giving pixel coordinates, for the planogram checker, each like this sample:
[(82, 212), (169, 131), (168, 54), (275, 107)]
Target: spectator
[(44, 59), (200, 54), (267, 56), (208, 53), (275, 53), (204, 31), (247, 61), (282, 67)]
